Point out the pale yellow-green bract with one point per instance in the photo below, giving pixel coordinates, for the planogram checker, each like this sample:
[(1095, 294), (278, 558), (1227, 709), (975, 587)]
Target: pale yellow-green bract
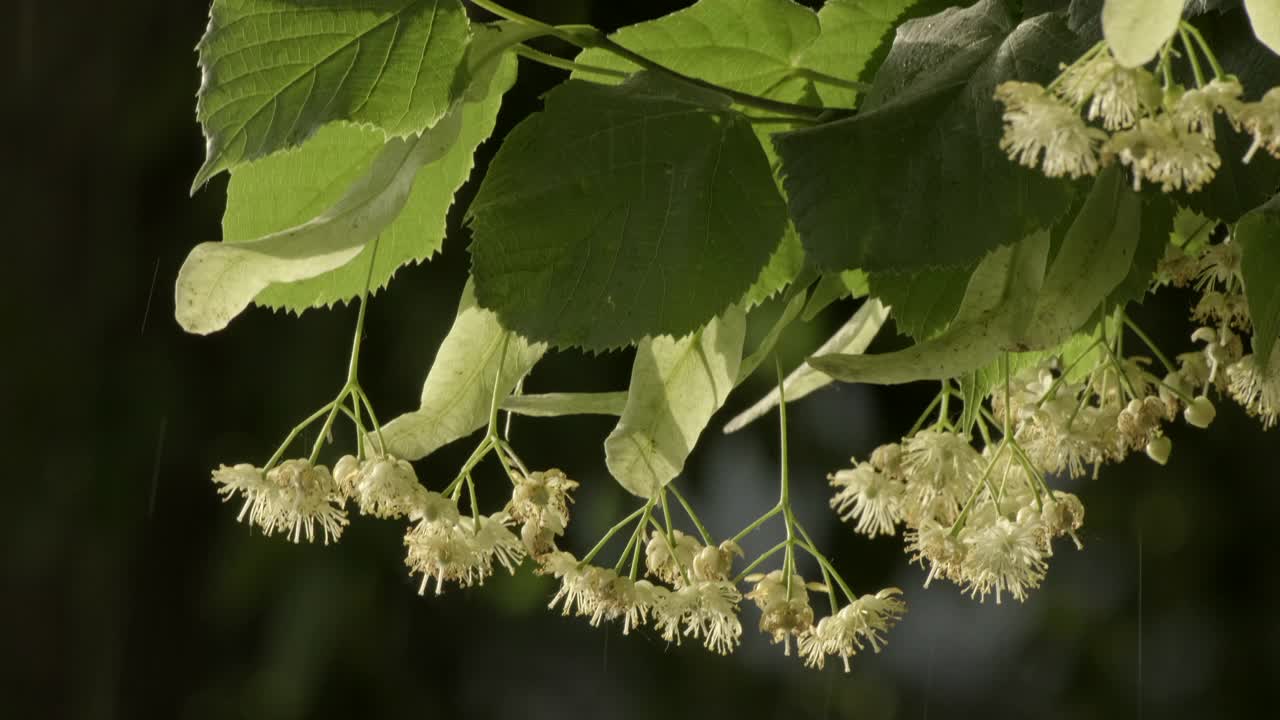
[(851, 339), (1136, 29), (1265, 17), (459, 391), (676, 386)]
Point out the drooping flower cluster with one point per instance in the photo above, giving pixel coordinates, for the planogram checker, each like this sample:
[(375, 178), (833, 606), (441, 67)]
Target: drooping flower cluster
[(1164, 134), (701, 602), (784, 607), (987, 520), (861, 622), (1222, 313), (294, 497), (445, 546), (384, 487)]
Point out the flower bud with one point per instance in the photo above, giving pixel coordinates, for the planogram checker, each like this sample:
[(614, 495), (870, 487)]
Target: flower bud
[(1159, 448), (1200, 412)]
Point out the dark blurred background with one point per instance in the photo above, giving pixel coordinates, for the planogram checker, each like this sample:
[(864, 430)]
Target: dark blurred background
[(129, 591)]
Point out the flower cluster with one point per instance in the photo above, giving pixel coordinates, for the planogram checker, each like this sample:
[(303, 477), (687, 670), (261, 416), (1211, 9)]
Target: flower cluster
[(986, 520), (449, 547), (540, 504), (863, 621), (1222, 314), (700, 601), (294, 496), (1164, 134)]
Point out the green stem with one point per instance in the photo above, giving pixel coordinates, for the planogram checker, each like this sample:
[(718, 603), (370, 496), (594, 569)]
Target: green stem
[(756, 524), (373, 418), (822, 560), (1218, 72), (977, 490), (505, 448), (1125, 382), (476, 456), (784, 494), (1053, 386), (613, 531), (827, 575), (354, 414), (688, 510), (756, 563), (622, 559), (560, 63), (925, 415), (1086, 57), (1191, 56), (1165, 65), (294, 433), (1144, 338), (327, 428), (475, 505)]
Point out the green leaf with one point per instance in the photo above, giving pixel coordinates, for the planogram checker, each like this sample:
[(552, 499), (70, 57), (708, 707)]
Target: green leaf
[(623, 211), (830, 288), (996, 307), (783, 267), (852, 338), (1136, 29), (766, 345), (1191, 230), (676, 386), (1259, 236), (851, 32), (1153, 241), (275, 71), (1096, 255), (218, 280), (917, 178), (1264, 15), (559, 404), (923, 302), (459, 390), (772, 48), (286, 189), (751, 46)]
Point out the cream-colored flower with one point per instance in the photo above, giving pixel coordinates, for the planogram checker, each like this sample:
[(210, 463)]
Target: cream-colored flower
[(1262, 120), (784, 612), (294, 497), (1063, 514), (600, 594), (1005, 556), (863, 621), (670, 562), (869, 498), (1257, 391), (1116, 94), (1157, 151), (940, 469), (540, 503), (1041, 132), (715, 563), (383, 487), (933, 546), (704, 610), (1194, 110), (448, 548)]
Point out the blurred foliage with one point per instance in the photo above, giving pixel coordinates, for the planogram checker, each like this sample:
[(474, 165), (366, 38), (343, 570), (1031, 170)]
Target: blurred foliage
[(131, 592)]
